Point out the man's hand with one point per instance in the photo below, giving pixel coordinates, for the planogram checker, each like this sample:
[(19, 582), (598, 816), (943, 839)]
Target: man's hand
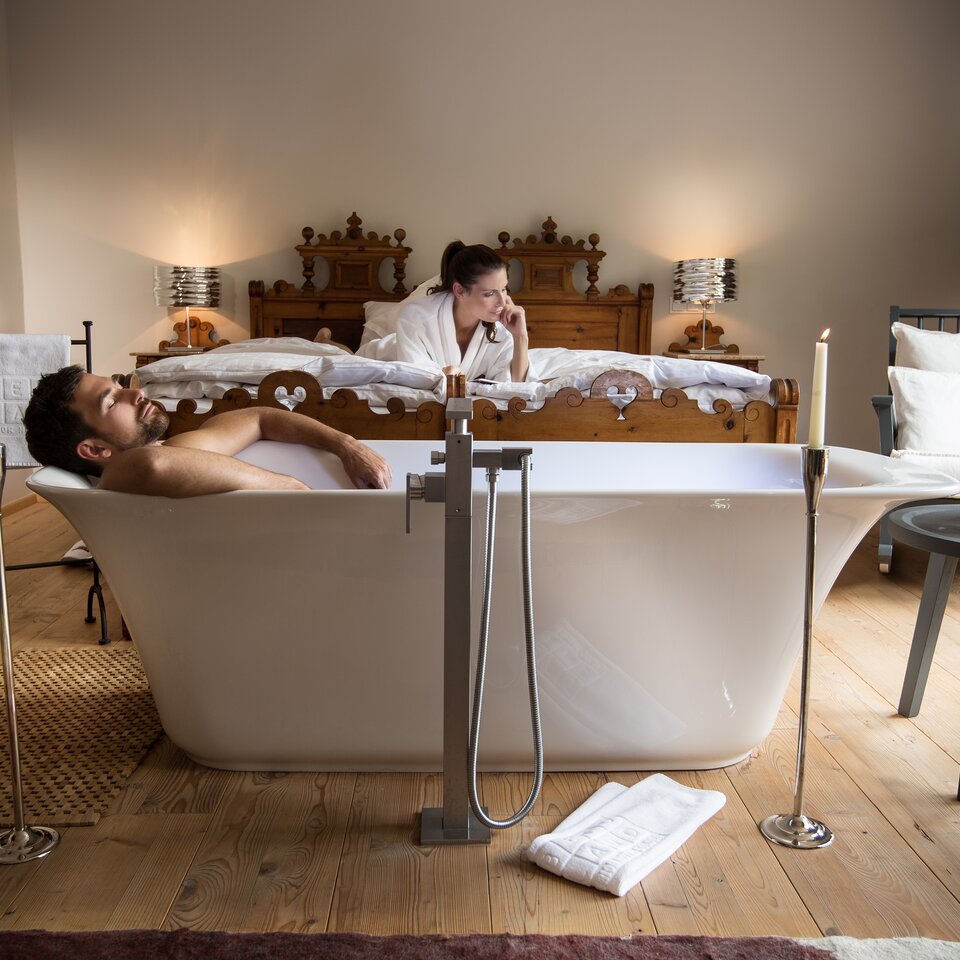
[(366, 468)]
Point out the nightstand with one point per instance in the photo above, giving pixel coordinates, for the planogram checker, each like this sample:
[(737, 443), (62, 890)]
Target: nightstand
[(749, 360), (201, 334), (149, 356)]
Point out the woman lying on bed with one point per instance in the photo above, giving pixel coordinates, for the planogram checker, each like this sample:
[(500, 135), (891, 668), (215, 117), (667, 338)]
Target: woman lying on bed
[(468, 324)]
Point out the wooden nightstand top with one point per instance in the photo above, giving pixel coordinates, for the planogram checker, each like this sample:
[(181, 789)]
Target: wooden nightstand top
[(148, 356), (749, 360)]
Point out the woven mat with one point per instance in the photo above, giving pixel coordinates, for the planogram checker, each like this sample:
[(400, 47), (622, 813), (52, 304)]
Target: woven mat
[(85, 719)]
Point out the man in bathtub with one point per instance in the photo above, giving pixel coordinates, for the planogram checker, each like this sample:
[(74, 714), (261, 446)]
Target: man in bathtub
[(91, 425)]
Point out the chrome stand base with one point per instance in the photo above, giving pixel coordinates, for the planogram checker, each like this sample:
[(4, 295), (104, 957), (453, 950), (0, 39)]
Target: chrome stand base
[(432, 829), (800, 832), (30, 843)]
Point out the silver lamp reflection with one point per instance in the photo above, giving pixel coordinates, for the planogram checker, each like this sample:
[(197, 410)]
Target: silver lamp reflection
[(704, 282), (186, 287)]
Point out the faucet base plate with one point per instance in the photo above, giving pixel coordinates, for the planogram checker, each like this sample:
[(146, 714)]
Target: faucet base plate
[(432, 830)]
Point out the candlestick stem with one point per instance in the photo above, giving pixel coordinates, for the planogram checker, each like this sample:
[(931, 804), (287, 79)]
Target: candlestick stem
[(796, 829)]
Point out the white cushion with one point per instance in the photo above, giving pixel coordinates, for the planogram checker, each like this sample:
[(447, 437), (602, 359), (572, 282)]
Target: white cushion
[(380, 318), (927, 349), (944, 462), (928, 410)]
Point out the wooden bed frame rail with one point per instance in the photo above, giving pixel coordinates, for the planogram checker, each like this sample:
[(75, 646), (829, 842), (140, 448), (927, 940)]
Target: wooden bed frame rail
[(567, 416)]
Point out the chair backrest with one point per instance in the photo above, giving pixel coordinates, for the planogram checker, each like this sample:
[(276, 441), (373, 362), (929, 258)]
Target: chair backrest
[(924, 319)]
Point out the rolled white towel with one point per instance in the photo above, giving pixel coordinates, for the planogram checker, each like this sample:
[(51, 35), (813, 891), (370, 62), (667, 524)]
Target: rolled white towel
[(618, 835)]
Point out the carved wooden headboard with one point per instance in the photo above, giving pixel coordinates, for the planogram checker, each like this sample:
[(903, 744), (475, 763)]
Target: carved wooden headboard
[(558, 315), (354, 261)]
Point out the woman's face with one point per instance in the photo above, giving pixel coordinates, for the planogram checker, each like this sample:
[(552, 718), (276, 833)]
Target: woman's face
[(486, 299)]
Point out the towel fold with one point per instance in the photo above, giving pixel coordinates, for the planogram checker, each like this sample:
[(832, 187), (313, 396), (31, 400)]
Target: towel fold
[(23, 357), (78, 553), (617, 836)]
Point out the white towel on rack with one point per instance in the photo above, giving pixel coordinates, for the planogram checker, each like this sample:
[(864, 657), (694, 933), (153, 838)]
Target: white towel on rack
[(615, 838), (23, 357)]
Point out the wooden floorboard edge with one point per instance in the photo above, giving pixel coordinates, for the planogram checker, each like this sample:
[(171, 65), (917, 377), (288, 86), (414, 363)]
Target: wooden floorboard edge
[(21, 503), (343, 843)]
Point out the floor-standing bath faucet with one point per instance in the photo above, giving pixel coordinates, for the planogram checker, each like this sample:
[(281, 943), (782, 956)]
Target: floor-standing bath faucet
[(459, 820)]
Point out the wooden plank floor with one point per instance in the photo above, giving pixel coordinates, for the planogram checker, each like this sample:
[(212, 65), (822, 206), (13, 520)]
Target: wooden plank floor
[(186, 846)]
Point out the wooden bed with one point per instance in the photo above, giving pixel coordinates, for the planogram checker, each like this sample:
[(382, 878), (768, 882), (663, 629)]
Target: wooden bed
[(558, 315)]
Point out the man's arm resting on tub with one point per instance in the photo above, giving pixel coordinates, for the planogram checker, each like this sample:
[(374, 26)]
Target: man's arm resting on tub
[(229, 433), (161, 470), (202, 462)]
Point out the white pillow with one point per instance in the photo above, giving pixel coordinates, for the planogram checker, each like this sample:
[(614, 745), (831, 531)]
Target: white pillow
[(380, 318), (927, 349), (927, 404), (945, 463)]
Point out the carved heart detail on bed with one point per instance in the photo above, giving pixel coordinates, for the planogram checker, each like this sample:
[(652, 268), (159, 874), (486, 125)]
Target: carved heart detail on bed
[(290, 400)]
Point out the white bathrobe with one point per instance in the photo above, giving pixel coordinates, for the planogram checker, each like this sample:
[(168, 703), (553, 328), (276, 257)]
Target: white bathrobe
[(426, 336)]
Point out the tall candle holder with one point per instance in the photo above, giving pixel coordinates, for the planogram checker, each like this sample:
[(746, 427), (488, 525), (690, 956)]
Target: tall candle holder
[(795, 829)]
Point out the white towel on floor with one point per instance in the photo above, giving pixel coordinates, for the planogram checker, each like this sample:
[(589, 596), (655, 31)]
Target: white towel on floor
[(615, 838), (23, 357)]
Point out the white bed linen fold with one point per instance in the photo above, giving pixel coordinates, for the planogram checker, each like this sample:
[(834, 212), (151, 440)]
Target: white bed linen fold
[(246, 363)]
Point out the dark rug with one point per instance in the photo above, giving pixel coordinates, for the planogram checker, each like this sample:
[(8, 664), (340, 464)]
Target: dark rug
[(198, 945)]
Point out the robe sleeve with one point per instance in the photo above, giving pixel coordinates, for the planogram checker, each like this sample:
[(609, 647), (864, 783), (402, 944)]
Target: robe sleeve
[(496, 358)]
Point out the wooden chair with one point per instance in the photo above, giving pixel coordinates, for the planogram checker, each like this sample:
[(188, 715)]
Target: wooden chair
[(944, 320)]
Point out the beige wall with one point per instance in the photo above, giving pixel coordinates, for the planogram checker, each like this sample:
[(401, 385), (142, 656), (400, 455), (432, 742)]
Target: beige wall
[(818, 143), (11, 282)]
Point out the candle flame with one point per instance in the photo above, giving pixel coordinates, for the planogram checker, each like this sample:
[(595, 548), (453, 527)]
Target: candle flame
[(824, 335)]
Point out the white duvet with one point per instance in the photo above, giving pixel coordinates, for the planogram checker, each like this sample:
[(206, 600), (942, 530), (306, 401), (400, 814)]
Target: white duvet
[(246, 363)]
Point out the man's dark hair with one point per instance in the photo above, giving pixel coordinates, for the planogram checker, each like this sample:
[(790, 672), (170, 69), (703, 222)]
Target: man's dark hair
[(53, 427)]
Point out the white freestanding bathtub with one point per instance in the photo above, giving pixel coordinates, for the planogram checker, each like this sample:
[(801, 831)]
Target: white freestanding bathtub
[(303, 630)]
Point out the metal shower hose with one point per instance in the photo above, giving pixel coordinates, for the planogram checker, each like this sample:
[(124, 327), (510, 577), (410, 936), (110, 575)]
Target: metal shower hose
[(492, 478)]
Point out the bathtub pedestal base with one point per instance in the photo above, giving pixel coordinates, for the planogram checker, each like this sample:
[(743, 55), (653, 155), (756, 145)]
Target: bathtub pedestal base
[(800, 832), (432, 829)]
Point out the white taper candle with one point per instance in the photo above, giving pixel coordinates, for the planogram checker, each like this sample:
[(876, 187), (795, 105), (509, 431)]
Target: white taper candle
[(818, 394)]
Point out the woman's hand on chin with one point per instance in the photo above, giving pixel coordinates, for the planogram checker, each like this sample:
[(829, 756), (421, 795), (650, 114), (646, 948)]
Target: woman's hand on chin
[(514, 320)]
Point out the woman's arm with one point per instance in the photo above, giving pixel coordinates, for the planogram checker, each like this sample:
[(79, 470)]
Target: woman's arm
[(514, 320)]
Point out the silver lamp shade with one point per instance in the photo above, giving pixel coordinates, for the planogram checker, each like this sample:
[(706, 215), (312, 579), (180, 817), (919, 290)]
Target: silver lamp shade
[(186, 287), (705, 281)]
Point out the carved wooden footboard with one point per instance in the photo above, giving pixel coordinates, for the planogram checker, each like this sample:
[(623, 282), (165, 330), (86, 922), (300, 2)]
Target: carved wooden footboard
[(672, 417)]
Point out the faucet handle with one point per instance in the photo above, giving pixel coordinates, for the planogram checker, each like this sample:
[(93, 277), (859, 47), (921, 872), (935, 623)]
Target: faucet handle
[(437, 456), (415, 491)]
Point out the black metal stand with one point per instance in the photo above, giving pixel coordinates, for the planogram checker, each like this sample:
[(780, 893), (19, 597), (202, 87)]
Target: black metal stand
[(95, 588), (20, 843)]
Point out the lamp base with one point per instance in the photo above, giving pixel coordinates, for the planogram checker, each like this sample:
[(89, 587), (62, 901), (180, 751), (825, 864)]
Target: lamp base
[(713, 351), (800, 832)]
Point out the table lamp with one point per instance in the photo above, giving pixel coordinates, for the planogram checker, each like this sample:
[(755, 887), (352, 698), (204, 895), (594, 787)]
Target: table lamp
[(704, 282), (186, 287)]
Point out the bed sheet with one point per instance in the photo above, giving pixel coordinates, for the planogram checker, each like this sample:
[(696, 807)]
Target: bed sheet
[(245, 364)]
